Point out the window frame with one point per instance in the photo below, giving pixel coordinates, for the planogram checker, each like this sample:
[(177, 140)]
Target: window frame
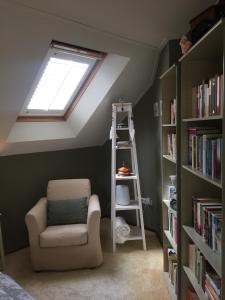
[(62, 50)]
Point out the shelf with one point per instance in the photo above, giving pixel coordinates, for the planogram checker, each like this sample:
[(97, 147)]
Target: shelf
[(209, 179), (203, 119), (201, 62), (213, 258), (133, 205), (193, 280), (167, 203), (169, 158), (119, 177), (123, 146), (170, 287), (169, 72), (171, 240), (203, 48), (135, 234), (123, 128), (168, 125)]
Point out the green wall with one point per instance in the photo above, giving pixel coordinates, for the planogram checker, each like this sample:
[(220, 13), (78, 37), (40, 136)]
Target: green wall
[(24, 178)]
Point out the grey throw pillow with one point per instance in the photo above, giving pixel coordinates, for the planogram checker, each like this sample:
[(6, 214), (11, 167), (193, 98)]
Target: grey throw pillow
[(68, 211)]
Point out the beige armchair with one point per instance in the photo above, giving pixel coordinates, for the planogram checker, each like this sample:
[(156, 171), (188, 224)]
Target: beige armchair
[(64, 247)]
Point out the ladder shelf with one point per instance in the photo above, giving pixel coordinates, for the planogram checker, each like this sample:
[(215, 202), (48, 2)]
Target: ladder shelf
[(136, 232)]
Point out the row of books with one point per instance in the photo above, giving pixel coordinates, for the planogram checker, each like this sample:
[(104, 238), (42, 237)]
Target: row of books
[(172, 220), (205, 150), (171, 138), (206, 276), (207, 220), (172, 267), (173, 109), (207, 97)]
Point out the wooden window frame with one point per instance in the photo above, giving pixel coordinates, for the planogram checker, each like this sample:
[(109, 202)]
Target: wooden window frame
[(98, 55)]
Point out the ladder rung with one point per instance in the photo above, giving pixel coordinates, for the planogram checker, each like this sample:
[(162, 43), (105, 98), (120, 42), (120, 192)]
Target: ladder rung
[(120, 177), (124, 145), (122, 107), (133, 205), (122, 128), (135, 234)]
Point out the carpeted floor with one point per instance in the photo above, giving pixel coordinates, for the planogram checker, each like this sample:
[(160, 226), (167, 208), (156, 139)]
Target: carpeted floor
[(130, 274)]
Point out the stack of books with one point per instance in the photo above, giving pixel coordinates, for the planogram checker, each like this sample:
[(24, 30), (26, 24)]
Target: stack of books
[(207, 221), (207, 278), (173, 109), (172, 219), (205, 150), (207, 97), (172, 264), (171, 137)]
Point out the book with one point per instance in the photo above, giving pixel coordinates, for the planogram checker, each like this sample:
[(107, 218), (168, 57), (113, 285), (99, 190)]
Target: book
[(207, 220), (212, 283), (191, 257), (207, 97), (191, 295), (172, 266), (205, 150), (173, 110), (171, 145), (194, 102)]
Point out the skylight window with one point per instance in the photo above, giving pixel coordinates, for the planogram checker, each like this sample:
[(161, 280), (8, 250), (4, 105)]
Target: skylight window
[(63, 77)]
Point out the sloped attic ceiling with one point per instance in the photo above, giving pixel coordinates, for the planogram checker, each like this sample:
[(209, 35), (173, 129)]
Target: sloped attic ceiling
[(131, 32)]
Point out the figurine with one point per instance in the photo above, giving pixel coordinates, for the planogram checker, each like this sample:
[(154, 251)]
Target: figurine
[(123, 171), (185, 44)]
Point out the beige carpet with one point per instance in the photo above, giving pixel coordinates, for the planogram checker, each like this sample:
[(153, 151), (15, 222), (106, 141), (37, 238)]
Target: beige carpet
[(130, 274)]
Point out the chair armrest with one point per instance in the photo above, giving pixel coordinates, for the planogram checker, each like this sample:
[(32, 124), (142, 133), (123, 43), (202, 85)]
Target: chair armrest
[(93, 218), (36, 220)]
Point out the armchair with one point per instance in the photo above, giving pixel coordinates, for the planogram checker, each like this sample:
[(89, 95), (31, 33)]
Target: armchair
[(64, 247)]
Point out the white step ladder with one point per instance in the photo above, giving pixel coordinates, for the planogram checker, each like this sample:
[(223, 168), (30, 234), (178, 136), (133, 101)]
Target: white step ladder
[(119, 112)]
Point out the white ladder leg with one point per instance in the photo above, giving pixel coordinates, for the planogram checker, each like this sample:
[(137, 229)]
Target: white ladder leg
[(139, 197), (113, 181)]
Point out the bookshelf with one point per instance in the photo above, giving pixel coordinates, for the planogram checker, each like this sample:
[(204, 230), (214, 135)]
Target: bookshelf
[(196, 82), (200, 69), (169, 122)]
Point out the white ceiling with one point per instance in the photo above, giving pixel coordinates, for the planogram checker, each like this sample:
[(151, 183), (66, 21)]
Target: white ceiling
[(145, 21), (131, 31)]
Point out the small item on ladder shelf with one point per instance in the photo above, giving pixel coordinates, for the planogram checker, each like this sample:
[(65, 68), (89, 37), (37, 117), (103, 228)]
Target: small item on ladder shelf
[(122, 195), (121, 125), (123, 171), (122, 230)]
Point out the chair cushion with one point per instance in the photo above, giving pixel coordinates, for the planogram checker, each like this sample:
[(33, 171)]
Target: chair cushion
[(64, 235), (68, 211)]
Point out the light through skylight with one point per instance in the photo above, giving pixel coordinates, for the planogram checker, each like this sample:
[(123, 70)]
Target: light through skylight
[(57, 84)]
